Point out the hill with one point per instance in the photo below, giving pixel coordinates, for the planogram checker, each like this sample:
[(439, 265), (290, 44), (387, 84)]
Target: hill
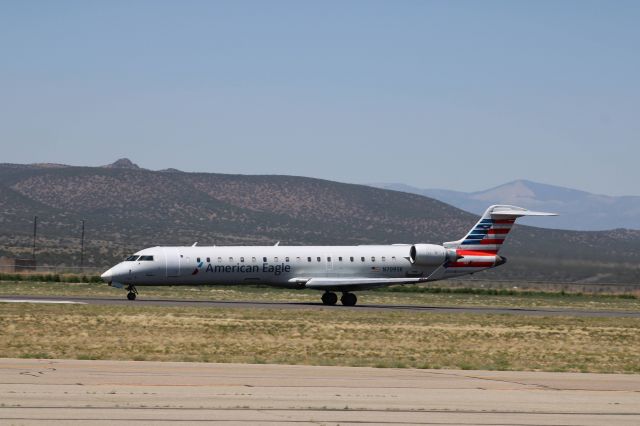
[(128, 208), (579, 210)]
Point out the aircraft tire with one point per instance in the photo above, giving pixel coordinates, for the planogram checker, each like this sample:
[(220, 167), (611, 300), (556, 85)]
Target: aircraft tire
[(329, 298), (349, 299), (131, 296)]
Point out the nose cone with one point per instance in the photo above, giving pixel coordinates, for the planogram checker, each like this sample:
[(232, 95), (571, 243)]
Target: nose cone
[(107, 276)]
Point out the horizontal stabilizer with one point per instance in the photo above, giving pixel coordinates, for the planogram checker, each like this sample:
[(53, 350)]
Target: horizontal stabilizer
[(515, 211)]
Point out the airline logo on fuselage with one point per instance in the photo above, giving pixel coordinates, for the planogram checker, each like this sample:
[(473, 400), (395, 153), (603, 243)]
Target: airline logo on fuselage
[(249, 269), (195, 271)]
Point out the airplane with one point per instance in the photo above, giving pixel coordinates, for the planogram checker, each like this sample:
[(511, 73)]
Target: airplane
[(329, 269)]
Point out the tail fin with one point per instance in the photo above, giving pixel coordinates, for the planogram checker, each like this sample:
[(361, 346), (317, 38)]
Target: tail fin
[(487, 236)]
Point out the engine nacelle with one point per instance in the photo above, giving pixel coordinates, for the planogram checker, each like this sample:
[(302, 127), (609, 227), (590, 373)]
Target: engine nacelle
[(431, 254)]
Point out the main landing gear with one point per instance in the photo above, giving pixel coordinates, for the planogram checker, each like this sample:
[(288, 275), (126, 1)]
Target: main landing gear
[(132, 292), (348, 299), (329, 298)]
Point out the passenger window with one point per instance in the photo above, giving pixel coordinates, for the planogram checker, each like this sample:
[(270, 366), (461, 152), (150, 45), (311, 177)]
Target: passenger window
[(340, 259), (393, 258), (198, 260), (328, 259), (308, 259), (275, 259), (298, 259), (318, 258), (384, 258), (264, 259), (286, 259), (219, 259), (253, 259), (208, 260), (351, 258), (242, 259), (362, 258), (373, 259), (230, 259)]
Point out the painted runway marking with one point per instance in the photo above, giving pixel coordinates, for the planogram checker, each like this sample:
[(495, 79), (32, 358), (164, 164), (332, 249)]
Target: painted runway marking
[(69, 302)]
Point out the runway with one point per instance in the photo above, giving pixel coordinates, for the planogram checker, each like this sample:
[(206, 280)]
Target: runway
[(125, 392), (302, 305)]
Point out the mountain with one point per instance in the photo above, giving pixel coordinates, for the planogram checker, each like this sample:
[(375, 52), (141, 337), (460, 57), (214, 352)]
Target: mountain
[(579, 210), (122, 163), (126, 209)]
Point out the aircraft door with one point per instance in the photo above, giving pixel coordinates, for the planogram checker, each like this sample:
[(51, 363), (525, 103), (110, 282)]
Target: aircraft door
[(184, 263), (173, 263)]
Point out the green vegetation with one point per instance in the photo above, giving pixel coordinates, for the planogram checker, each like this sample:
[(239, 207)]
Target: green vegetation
[(321, 337), (496, 292), (51, 278), (408, 295), (628, 292)]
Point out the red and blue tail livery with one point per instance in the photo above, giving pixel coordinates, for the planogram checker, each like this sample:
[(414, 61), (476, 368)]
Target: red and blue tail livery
[(487, 236), (479, 249)]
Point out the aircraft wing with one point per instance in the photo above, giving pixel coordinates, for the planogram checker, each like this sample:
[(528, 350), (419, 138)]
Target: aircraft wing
[(349, 284)]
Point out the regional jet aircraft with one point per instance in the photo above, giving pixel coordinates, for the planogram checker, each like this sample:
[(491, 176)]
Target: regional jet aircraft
[(329, 269)]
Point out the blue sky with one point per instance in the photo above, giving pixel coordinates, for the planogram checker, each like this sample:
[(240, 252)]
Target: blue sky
[(461, 95)]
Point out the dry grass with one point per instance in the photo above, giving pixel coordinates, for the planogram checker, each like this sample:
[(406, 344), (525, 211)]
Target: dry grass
[(321, 337)]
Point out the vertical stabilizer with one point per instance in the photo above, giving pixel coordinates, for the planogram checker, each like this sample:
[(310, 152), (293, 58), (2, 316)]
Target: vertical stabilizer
[(488, 235), (479, 249)]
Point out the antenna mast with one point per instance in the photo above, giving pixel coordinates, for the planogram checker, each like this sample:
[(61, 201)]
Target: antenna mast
[(35, 230), (82, 247)]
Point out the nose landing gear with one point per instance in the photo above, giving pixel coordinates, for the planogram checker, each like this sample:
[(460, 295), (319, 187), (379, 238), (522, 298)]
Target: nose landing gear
[(132, 292)]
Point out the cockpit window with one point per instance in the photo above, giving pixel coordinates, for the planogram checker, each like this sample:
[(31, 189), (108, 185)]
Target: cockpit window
[(131, 258), (145, 258)]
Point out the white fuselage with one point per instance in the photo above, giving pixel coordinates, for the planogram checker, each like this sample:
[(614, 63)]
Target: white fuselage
[(326, 268), (272, 265)]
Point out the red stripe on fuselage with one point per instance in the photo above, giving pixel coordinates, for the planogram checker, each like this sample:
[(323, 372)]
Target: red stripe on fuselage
[(470, 265), (476, 252)]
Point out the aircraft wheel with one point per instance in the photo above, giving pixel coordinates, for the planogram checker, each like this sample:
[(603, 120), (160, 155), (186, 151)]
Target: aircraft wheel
[(132, 292), (348, 299), (329, 298)]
